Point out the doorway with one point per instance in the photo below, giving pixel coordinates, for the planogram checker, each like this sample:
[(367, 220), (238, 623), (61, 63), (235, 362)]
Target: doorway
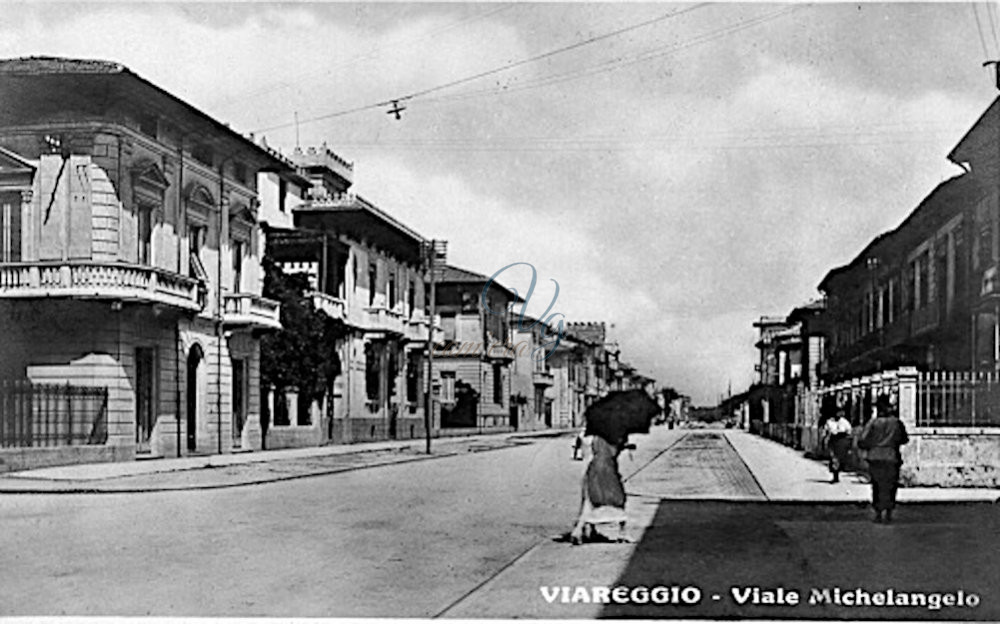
[(194, 360), (145, 397), (239, 400)]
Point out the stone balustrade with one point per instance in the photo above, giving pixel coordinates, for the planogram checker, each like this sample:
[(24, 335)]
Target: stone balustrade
[(100, 280)]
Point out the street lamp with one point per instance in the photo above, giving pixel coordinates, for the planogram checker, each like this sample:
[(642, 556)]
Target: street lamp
[(434, 251)]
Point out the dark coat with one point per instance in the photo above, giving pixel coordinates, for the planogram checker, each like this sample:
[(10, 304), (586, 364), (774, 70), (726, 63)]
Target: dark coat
[(882, 437), (603, 481)]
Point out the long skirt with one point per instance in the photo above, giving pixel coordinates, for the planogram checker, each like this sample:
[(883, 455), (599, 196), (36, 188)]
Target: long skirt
[(840, 446), (603, 491), (885, 482)]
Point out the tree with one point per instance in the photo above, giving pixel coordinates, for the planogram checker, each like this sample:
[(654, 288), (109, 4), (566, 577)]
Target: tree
[(303, 354)]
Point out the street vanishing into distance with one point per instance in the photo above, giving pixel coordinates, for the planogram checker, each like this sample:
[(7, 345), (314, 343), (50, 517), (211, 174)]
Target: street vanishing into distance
[(477, 534)]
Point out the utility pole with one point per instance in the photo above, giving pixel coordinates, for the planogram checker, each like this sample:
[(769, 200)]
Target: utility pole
[(434, 251)]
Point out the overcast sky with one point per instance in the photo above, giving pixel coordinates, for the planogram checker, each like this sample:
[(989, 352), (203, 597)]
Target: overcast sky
[(678, 169)]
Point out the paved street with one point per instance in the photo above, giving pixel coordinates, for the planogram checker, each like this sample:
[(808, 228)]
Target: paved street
[(470, 534)]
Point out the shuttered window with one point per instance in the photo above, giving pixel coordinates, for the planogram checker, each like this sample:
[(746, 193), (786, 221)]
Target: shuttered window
[(10, 227)]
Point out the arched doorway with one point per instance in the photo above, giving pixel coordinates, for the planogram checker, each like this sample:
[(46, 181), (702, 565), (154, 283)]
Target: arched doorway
[(195, 357)]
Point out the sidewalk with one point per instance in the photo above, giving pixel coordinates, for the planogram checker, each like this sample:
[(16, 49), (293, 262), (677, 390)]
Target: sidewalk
[(782, 474), (251, 468), (786, 475), (704, 515)]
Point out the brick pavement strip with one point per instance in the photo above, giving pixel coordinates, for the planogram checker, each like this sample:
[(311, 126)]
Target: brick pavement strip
[(701, 465), (251, 473)]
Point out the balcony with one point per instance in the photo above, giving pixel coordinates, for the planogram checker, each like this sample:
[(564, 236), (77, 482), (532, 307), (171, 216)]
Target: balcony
[(542, 378), (247, 310), (332, 306), (100, 280), (378, 319), (415, 327)]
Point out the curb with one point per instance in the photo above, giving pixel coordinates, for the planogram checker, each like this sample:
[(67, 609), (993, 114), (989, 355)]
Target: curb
[(515, 439), (216, 486)]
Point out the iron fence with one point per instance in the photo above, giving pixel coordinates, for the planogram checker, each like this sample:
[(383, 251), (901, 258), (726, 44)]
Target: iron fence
[(959, 399), (45, 415)]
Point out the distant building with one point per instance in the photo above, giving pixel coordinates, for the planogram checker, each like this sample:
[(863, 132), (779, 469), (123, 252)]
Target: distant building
[(531, 373), (476, 357)]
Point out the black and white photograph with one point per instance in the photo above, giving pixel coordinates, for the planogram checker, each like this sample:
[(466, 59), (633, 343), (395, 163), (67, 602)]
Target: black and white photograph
[(317, 311)]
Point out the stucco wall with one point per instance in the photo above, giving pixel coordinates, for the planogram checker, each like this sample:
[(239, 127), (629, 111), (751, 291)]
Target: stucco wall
[(953, 459)]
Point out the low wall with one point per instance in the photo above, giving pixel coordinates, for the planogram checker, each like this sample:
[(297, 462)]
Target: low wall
[(14, 459), (457, 432), (410, 429), (942, 457), (788, 434), (293, 437), (952, 457), (351, 430)]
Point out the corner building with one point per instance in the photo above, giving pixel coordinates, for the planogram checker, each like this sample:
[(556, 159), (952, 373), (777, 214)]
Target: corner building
[(130, 278)]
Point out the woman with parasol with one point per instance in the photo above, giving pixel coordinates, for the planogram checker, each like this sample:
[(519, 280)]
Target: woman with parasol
[(609, 423)]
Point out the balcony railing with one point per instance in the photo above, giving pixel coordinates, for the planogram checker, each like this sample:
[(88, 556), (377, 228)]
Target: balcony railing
[(245, 309), (542, 378), (100, 280), (416, 326), (333, 307), (380, 319)]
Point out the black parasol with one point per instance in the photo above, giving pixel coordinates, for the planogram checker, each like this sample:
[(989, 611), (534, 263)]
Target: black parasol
[(620, 413)]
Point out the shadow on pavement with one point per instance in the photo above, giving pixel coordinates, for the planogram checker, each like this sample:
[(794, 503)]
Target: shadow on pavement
[(737, 555)]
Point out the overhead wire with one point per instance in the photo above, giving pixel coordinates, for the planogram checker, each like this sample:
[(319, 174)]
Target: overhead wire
[(780, 139), (979, 29), (692, 147), (375, 51), (990, 9), (495, 70), (551, 53), (617, 63), (800, 137)]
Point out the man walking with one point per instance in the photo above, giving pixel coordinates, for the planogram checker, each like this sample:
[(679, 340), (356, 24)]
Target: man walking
[(882, 437)]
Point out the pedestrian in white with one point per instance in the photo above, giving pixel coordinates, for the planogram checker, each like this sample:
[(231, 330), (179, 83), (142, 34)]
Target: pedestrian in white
[(837, 433)]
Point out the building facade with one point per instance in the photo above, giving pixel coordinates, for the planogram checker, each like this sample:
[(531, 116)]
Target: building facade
[(906, 299), (531, 372), (476, 358), (367, 274), (913, 317), (129, 264)]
